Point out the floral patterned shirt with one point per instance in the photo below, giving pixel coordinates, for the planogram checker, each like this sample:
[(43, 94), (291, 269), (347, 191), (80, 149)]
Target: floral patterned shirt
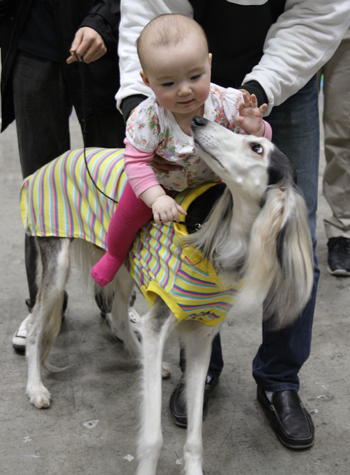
[(151, 128)]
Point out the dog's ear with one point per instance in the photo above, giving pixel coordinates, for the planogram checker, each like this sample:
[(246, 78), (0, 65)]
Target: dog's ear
[(279, 266), (280, 169)]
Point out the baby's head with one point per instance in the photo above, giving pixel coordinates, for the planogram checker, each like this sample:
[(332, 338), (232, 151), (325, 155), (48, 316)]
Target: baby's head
[(168, 30), (173, 52)]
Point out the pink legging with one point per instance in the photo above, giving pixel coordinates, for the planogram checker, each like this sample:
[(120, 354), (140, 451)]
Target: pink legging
[(131, 214)]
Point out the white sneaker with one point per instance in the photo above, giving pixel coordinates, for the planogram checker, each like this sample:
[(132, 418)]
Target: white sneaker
[(135, 321), (19, 339)]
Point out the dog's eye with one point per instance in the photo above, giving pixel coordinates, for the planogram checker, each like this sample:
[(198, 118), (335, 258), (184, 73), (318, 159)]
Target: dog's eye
[(257, 148)]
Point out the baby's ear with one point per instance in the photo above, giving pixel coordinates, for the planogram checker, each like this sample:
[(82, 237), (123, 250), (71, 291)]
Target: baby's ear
[(210, 59), (144, 78)]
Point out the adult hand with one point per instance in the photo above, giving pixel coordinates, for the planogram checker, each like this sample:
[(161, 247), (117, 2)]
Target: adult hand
[(88, 43), (162, 165)]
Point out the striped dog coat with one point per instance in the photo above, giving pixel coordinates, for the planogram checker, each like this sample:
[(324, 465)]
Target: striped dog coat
[(60, 200)]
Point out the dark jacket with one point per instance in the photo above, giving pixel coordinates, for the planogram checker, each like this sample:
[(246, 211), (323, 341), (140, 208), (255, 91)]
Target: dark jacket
[(102, 76)]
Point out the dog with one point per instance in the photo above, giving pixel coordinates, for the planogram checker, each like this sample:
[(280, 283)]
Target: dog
[(257, 233)]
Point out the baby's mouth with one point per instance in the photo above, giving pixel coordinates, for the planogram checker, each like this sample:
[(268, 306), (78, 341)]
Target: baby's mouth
[(186, 102)]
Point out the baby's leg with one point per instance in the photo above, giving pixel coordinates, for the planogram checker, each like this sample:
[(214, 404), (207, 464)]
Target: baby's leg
[(131, 214)]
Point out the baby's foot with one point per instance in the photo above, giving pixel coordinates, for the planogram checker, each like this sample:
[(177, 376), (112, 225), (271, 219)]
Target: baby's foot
[(106, 268)]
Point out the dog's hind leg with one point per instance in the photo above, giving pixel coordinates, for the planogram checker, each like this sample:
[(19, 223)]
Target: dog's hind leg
[(197, 338), (156, 326), (47, 314), (123, 287)]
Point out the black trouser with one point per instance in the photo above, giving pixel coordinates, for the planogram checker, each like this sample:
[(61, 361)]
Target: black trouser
[(42, 109)]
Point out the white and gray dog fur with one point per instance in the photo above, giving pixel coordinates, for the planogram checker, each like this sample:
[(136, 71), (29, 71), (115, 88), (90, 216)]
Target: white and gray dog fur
[(258, 230)]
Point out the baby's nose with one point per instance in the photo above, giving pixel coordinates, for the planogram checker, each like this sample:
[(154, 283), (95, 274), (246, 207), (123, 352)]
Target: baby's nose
[(184, 90)]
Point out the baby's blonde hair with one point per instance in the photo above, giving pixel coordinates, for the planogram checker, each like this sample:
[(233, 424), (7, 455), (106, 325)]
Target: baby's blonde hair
[(167, 29)]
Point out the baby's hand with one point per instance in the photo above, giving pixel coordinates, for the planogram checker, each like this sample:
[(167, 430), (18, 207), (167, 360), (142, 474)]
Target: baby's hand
[(166, 209), (250, 116)]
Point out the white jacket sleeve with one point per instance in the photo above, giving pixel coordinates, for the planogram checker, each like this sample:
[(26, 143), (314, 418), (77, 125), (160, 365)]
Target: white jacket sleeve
[(302, 40), (135, 14)]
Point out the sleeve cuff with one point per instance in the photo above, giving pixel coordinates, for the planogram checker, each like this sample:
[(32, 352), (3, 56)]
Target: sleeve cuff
[(268, 131), (129, 103), (253, 87)]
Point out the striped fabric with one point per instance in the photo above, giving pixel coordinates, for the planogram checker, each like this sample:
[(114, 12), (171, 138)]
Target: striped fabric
[(60, 200)]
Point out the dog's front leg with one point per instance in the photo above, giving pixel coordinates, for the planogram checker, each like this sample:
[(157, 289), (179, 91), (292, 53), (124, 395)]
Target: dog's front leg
[(198, 339), (156, 326)]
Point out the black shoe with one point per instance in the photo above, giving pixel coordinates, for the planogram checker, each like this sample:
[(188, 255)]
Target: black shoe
[(104, 302), (64, 307), (289, 418), (339, 256), (177, 403)]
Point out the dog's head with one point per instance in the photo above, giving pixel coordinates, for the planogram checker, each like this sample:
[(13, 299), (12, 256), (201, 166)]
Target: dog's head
[(267, 205), (242, 161)]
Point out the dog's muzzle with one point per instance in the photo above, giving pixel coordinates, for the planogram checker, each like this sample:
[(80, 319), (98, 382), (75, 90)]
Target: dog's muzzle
[(197, 122), (205, 142)]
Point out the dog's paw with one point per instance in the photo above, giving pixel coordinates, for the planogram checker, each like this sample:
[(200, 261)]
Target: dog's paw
[(39, 397), (192, 460), (166, 372)]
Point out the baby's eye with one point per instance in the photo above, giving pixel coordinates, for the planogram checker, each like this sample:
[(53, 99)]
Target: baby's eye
[(195, 77), (167, 84)]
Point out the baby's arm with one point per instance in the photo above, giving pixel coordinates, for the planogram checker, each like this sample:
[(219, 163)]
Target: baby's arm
[(145, 185), (250, 116)]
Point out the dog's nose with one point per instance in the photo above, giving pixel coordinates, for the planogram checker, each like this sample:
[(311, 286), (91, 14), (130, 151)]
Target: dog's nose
[(198, 121)]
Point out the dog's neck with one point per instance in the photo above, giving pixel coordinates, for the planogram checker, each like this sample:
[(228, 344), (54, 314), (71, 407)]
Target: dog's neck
[(225, 236), (231, 254), (245, 210)]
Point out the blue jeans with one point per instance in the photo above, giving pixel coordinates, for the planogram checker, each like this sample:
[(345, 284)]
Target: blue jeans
[(295, 128)]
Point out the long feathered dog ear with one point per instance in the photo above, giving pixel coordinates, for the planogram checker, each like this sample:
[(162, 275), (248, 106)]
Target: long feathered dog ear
[(279, 266)]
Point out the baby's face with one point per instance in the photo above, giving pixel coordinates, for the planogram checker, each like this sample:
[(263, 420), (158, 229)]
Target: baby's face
[(179, 75)]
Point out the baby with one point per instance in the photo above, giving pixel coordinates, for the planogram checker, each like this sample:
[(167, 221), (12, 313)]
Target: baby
[(176, 65)]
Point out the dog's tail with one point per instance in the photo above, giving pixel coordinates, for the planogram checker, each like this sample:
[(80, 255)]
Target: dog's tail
[(279, 267)]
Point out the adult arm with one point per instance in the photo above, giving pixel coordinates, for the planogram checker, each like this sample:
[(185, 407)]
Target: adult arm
[(98, 32), (302, 40)]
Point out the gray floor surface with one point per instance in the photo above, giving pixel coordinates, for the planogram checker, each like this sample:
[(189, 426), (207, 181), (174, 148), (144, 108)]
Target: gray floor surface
[(91, 426)]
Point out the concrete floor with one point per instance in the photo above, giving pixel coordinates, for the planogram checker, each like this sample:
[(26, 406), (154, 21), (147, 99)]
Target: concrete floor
[(90, 428)]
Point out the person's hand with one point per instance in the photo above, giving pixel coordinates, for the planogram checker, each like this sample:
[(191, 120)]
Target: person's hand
[(160, 164), (250, 115), (88, 43), (166, 209)]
